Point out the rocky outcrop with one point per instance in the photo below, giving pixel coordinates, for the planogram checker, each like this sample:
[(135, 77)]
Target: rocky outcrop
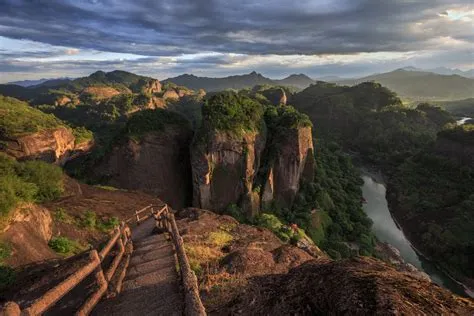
[(224, 167), (277, 96), (170, 94), (157, 163), (294, 161), (359, 286), (54, 145), (99, 93), (152, 86), (28, 233)]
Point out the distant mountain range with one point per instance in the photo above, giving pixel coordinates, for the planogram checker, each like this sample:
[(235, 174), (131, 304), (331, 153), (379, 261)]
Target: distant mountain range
[(409, 83), (421, 85), (444, 71), (31, 83)]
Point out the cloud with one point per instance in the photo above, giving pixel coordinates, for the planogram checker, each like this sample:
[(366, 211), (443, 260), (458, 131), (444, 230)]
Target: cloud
[(162, 28), (164, 37)]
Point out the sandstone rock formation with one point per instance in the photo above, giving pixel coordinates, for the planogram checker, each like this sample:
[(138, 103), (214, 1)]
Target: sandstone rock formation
[(224, 169), (294, 161), (152, 86), (277, 96), (157, 163), (99, 93), (170, 94), (54, 145), (28, 233), (359, 286)]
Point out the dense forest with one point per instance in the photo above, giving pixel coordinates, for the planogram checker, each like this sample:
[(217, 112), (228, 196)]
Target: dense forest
[(429, 180)]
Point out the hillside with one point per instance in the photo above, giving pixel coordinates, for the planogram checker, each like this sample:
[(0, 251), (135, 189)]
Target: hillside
[(300, 81), (219, 84), (419, 85), (459, 107)]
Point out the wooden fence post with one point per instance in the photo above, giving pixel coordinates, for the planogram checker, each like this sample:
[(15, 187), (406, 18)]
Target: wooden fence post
[(92, 301), (10, 309), (138, 217)]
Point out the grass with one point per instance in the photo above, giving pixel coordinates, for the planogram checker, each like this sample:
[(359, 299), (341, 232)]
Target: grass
[(5, 251), (61, 215), (17, 118), (65, 246), (219, 238), (90, 221), (200, 255), (82, 135), (32, 181)]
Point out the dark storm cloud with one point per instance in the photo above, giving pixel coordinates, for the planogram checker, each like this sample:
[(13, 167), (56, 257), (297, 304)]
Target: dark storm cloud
[(170, 28)]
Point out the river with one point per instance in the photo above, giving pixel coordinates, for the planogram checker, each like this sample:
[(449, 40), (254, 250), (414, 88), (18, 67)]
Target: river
[(463, 120), (387, 230)]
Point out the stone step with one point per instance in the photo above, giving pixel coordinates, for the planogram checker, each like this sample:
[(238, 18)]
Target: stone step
[(150, 247), (164, 275), (150, 266), (151, 255), (163, 300), (150, 239)]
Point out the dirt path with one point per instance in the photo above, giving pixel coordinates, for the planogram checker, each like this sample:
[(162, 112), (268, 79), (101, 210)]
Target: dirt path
[(151, 286)]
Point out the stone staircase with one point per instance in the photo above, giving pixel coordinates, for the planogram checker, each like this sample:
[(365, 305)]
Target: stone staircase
[(152, 284)]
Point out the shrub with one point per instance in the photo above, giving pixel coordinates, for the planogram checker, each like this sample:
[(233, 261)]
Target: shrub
[(89, 220), (64, 245), (5, 251), (47, 177), (14, 190), (108, 224), (7, 277), (236, 212), (82, 135)]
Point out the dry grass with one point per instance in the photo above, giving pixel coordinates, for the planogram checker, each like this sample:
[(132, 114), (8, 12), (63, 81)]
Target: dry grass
[(221, 287), (219, 238)]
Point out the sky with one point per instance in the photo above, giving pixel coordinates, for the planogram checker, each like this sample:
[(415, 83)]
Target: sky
[(166, 38)]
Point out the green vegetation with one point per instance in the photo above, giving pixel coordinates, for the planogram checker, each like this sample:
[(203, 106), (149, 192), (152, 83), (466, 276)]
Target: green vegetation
[(437, 200), (284, 232), (82, 135), (90, 221), (231, 112), (219, 238), (17, 118), (27, 182), (153, 121), (65, 246), (459, 107)]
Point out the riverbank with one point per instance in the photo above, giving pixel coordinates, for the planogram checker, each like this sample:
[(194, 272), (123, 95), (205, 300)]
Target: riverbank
[(389, 228)]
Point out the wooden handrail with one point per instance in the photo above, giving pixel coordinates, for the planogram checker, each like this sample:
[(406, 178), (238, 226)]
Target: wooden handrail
[(193, 303), (121, 238)]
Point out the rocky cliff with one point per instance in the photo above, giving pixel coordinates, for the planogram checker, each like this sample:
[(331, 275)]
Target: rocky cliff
[(154, 161), (52, 145), (293, 162), (224, 169), (250, 166)]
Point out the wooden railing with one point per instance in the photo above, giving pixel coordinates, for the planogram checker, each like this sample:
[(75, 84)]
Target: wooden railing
[(121, 237), (193, 305)]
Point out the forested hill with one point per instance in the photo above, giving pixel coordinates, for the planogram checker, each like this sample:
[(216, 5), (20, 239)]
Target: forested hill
[(419, 85), (238, 82)]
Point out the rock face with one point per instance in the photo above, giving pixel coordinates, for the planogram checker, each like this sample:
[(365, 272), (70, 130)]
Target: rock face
[(158, 164), (53, 146), (294, 162), (99, 93), (28, 234), (152, 86), (359, 286), (224, 172), (170, 94), (224, 169), (276, 96)]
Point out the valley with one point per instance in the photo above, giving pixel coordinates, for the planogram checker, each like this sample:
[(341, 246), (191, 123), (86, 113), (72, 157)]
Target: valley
[(270, 156)]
